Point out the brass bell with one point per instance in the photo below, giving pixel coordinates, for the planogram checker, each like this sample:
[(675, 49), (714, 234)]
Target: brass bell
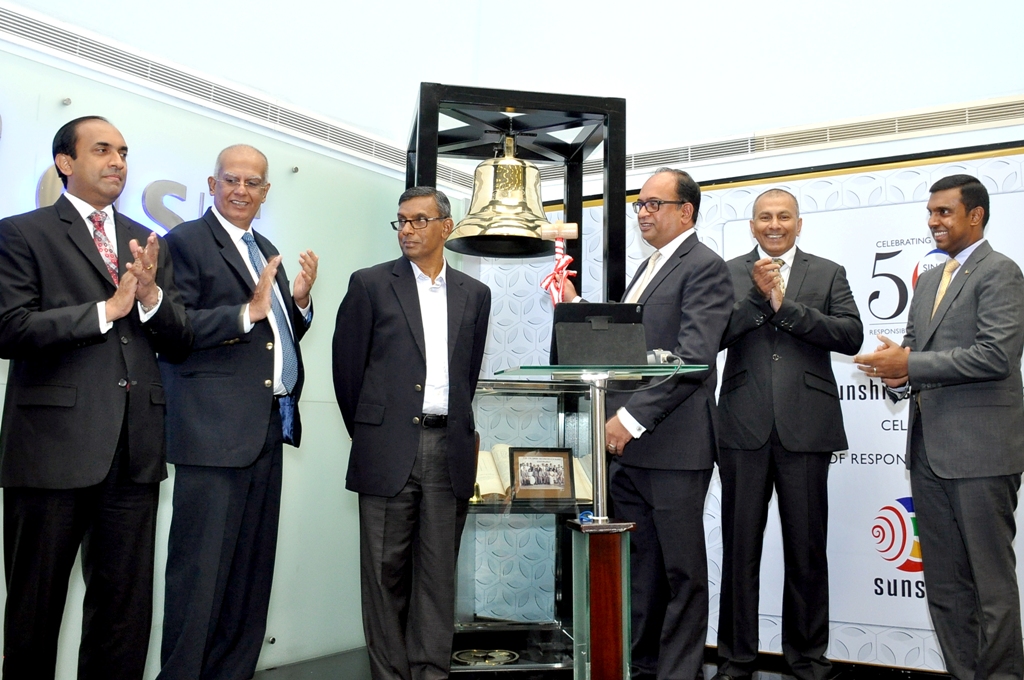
[(506, 216)]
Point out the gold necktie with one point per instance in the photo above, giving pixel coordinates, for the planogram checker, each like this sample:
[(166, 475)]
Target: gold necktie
[(782, 282), (947, 276), (638, 289)]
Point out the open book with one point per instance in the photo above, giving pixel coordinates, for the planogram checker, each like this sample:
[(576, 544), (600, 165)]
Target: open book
[(494, 473)]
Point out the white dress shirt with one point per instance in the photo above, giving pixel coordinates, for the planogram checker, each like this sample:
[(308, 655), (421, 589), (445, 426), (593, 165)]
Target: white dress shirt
[(666, 251), (236, 234), (109, 228), (433, 297)]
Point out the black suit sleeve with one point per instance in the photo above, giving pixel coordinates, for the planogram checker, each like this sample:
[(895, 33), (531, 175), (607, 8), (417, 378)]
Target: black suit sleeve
[(25, 328), (353, 333), (299, 322), (748, 314), (169, 330), (837, 330), (483, 317), (212, 326), (706, 303)]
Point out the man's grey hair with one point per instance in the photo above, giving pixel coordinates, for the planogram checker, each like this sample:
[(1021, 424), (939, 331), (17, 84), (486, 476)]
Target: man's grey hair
[(444, 206), (219, 165)]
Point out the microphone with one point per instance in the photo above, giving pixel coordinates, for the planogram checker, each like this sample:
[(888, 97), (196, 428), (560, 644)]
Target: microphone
[(661, 356)]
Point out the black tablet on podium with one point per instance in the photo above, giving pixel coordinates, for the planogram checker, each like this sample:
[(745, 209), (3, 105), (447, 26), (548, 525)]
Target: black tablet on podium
[(598, 334)]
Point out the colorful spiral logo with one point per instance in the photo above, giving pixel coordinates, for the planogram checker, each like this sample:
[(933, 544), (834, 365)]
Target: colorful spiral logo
[(895, 534)]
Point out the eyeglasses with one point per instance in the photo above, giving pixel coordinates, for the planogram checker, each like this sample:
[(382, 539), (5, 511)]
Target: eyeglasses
[(233, 183), (653, 205), (417, 223)]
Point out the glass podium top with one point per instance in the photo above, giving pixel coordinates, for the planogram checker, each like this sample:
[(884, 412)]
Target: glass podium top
[(609, 372)]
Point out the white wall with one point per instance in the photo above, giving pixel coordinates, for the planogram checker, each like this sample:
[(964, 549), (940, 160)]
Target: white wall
[(691, 72), (339, 210)]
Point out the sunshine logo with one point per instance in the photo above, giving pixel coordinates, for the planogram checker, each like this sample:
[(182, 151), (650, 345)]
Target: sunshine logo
[(895, 533)]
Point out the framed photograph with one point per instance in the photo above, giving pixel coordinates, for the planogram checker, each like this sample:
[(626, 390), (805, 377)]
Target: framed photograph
[(541, 473)]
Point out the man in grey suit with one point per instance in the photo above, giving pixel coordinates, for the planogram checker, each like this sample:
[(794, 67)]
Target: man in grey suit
[(961, 364), (663, 440), (408, 347), (780, 421)]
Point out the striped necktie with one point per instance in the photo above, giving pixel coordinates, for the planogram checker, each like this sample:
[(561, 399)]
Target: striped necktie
[(782, 282), (638, 289), (289, 359), (99, 237), (947, 276)]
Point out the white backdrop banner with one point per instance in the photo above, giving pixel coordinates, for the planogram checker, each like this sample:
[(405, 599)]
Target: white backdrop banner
[(873, 221)]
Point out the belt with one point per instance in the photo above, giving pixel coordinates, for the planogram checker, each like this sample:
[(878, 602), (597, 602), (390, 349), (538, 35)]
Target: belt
[(433, 420)]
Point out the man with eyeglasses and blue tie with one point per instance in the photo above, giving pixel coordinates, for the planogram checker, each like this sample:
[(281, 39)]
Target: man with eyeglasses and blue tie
[(231, 405), (408, 346), (662, 440)]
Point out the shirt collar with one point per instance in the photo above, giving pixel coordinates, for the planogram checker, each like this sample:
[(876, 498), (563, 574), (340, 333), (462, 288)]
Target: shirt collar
[(441, 277), (968, 251), (84, 209), (787, 257), (235, 233), (672, 246)]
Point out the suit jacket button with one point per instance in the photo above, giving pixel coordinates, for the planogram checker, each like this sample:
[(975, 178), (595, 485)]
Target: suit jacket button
[(122, 383), (124, 340), (268, 383), (416, 420), (418, 388), (270, 345), (775, 357)]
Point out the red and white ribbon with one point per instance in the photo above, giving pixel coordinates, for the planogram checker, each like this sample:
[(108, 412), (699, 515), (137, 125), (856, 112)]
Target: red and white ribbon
[(554, 282)]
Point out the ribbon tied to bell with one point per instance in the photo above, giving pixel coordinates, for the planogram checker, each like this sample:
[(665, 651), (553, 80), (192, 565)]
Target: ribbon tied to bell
[(554, 282)]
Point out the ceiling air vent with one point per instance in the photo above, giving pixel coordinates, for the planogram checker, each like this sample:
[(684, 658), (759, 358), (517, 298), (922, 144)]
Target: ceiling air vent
[(89, 50)]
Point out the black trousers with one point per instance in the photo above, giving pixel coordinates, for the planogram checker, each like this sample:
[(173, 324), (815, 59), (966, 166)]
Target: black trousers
[(408, 549), (668, 568), (220, 566), (966, 527), (114, 523), (801, 481)]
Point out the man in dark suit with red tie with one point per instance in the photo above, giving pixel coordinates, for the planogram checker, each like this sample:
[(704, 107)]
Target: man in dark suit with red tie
[(86, 302), (231, 405), (780, 420)]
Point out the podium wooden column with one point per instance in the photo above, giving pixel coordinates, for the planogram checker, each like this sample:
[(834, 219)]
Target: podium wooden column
[(600, 549)]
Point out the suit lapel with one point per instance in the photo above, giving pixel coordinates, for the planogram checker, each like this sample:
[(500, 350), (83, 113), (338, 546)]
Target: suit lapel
[(457, 298), (636, 277), (796, 274), (666, 269), (228, 250), (404, 285), (955, 286), (81, 236), (123, 234)]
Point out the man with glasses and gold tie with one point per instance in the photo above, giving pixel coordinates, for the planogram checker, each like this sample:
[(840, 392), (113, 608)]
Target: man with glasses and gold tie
[(662, 441), (960, 364), (779, 422), (231, 405), (408, 346), (86, 302)]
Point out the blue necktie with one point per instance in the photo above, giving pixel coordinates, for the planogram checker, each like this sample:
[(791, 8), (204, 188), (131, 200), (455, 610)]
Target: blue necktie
[(290, 362)]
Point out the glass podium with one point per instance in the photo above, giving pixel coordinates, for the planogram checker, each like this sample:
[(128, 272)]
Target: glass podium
[(600, 545)]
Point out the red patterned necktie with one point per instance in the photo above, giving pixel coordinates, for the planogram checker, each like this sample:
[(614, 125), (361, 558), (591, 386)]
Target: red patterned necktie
[(98, 217)]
